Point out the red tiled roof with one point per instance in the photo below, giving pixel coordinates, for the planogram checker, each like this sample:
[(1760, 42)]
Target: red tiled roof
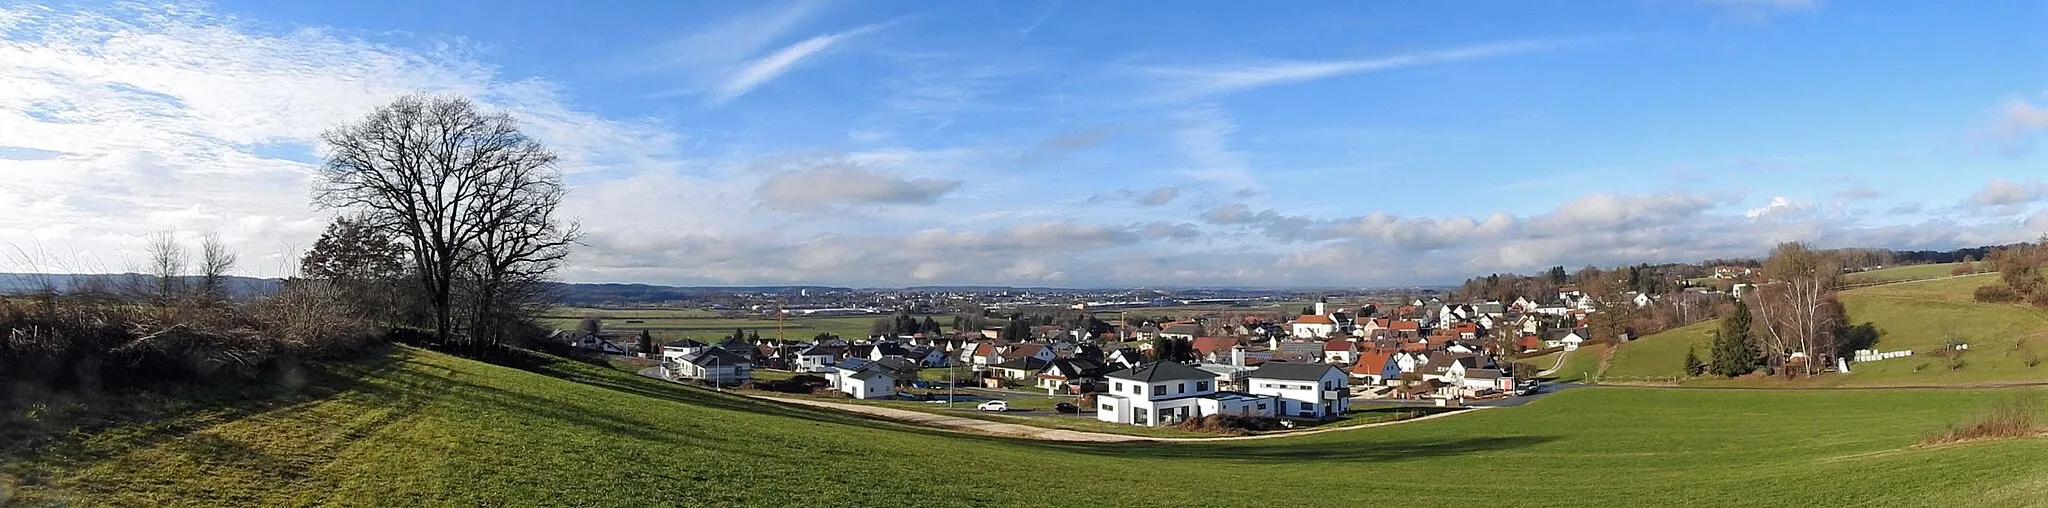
[(1314, 319), (1404, 325), (1370, 362), (1206, 345), (1336, 345), (1530, 342)]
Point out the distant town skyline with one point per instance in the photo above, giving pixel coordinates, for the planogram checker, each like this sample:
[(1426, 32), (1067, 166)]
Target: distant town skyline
[(1058, 144)]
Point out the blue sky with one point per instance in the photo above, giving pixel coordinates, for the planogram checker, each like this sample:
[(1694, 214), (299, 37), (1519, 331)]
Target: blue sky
[(1061, 143)]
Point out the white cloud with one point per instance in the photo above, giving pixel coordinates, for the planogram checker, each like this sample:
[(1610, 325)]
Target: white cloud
[(1778, 207), (152, 119), (1199, 81), (821, 188), (1159, 196), (774, 65), (2004, 197)]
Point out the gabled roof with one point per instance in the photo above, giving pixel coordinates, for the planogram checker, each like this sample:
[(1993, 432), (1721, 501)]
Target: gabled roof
[(1404, 325), (1336, 345), (1160, 371), (872, 372), (722, 357), (1024, 350), (1072, 368), (1371, 362), (1030, 363), (1313, 319), (685, 343), (820, 351), (1482, 373), (853, 363), (1207, 345), (1293, 371)]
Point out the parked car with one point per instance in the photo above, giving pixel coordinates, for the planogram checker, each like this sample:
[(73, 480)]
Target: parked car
[(994, 405), (1066, 407)]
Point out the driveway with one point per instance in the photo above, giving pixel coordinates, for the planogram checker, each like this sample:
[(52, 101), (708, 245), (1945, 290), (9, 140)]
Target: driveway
[(1517, 400)]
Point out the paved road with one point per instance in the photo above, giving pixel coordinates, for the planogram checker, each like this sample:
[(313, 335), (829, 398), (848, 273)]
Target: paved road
[(1045, 434), (1041, 433)]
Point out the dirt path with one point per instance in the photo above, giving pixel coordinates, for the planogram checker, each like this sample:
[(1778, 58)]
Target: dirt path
[(1044, 434)]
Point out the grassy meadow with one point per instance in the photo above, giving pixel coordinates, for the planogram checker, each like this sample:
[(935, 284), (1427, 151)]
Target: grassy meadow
[(1903, 273), (1918, 315), (416, 427)]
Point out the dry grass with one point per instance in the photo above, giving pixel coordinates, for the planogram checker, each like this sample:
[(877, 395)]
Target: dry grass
[(2011, 418)]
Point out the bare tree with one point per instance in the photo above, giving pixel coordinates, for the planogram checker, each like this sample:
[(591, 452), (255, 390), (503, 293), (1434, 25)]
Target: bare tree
[(215, 261), (167, 263), (471, 196), (1797, 310)]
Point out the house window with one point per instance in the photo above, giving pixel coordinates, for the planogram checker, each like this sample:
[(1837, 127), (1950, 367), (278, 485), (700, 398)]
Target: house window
[(1159, 389), (1119, 387), (1201, 386), (1181, 388)]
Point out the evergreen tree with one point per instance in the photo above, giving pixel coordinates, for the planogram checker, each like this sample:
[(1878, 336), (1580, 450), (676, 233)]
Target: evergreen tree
[(646, 342), (1734, 354), (930, 325), (739, 334), (1693, 365)]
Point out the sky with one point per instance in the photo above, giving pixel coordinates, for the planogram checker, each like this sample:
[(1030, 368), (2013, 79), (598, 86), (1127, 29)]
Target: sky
[(1049, 143)]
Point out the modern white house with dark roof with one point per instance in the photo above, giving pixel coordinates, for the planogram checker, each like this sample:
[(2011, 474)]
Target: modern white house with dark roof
[(1303, 390), (871, 381), (715, 364), (1167, 393)]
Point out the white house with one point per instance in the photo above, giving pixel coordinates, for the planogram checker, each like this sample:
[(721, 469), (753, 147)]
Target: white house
[(1569, 339), (816, 359), (871, 381), (674, 352), (716, 365), (1313, 326), (596, 343), (1167, 393), (1340, 351), (1303, 390)]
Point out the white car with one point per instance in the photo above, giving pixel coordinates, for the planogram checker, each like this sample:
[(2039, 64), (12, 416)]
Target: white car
[(994, 405)]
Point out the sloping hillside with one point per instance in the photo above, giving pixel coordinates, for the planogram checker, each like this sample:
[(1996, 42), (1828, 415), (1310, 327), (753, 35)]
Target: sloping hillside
[(1917, 315), (423, 428)]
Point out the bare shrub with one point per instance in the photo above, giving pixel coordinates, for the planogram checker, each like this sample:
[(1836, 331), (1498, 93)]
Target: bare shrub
[(2016, 417), (1996, 293)]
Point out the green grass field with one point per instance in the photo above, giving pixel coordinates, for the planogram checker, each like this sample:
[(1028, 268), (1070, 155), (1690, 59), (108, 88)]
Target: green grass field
[(1580, 365), (423, 428), (1901, 273), (416, 427), (1662, 354), (1917, 315)]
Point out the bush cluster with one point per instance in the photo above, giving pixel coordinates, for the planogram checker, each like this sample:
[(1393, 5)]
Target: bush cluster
[(1229, 424), (84, 341)]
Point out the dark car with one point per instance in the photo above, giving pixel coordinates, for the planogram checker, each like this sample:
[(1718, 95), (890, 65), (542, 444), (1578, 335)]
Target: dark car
[(1066, 407)]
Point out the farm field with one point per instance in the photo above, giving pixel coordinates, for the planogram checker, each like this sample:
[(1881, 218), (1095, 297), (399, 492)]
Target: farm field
[(1918, 316), (1903, 273), (416, 427), (673, 324), (1662, 354)]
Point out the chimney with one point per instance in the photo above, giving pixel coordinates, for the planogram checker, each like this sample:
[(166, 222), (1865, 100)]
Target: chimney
[(1237, 355)]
